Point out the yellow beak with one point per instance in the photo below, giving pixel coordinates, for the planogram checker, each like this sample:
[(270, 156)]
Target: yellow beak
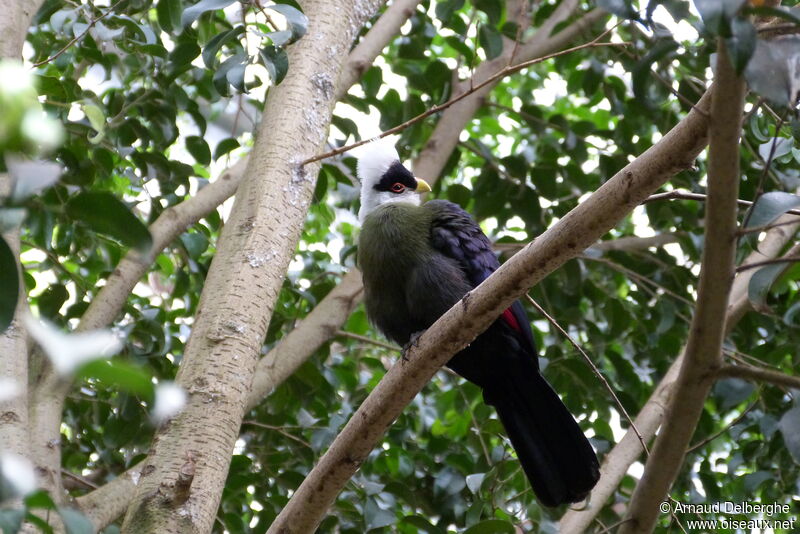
[(422, 186)]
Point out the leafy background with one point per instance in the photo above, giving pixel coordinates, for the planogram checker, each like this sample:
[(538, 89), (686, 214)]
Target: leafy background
[(156, 97)]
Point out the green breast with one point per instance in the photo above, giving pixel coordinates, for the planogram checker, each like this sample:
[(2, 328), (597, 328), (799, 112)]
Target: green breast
[(394, 239)]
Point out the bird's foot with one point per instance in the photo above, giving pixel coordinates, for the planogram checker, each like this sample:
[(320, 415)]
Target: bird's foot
[(413, 342)]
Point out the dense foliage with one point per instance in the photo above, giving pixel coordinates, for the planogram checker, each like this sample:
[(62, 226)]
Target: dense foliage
[(153, 97)]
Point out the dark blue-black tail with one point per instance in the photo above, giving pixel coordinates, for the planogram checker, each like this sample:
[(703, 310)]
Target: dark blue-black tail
[(557, 458)]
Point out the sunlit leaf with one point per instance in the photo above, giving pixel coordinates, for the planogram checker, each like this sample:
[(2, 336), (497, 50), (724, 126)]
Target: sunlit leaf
[(31, 177), (298, 22), (68, 351), (774, 70), (191, 13), (770, 206)]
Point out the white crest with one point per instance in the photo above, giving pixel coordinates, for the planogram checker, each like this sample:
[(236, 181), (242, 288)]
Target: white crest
[(374, 159)]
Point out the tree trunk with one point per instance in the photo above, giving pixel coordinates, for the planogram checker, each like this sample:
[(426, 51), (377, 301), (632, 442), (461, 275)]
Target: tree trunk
[(183, 476)]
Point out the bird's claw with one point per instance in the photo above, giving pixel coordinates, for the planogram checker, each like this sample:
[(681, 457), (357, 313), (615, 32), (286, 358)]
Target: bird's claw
[(413, 342)]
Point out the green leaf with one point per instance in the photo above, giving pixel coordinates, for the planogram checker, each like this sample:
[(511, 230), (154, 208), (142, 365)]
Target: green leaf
[(421, 524), (790, 428), (225, 146), (96, 116), (106, 214), (119, 374), (40, 499), (298, 22), (772, 72), (732, 391), (770, 206), (51, 300), (371, 81), (192, 13), (377, 517), (491, 526), (215, 43), (184, 53), (717, 14), (742, 44), (199, 150), (775, 148), (474, 482), (169, 14), (9, 285), (760, 283), (790, 318), (490, 40), (276, 62), (195, 244), (279, 38), (75, 522), (447, 8), (235, 77), (220, 78), (492, 8), (641, 71)]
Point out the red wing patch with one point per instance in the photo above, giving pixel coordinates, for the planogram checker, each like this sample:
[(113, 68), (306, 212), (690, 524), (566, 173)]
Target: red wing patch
[(508, 316)]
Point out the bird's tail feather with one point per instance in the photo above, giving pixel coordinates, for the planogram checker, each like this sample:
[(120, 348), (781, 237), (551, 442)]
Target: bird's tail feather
[(554, 453)]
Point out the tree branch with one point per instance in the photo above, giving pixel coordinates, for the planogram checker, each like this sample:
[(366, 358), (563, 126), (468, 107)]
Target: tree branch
[(577, 230), (383, 31), (15, 436), (77, 38), (616, 463), (703, 355), (684, 195), (320, 325), (489, 82), (245, 278), (751, 372)]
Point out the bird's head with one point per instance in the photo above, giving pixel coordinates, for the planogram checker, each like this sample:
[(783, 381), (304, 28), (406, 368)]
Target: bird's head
[(384, 178)]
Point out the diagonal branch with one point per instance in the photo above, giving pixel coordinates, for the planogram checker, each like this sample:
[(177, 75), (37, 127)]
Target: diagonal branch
[(490, 81), (628, 450), (318, 327), (577, 230), (703, 355), (751, 372)]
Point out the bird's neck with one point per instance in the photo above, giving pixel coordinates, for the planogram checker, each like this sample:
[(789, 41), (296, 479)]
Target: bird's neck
[(395, 234), (372, 200)]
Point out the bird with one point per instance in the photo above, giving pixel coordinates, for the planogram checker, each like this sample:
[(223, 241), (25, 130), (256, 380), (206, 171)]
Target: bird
[(419, 259)]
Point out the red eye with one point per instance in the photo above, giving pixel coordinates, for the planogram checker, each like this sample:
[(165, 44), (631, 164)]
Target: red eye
[(397, 187)]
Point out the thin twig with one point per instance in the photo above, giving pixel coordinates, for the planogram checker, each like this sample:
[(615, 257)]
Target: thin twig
[(475, 426), (594, 369), (279, 430), (80, 36), (440, 107), (365, 339), (685, 195), (756, 264), (705, 441), (82, 480), (767, 165), (766, 227), (752, 372)]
